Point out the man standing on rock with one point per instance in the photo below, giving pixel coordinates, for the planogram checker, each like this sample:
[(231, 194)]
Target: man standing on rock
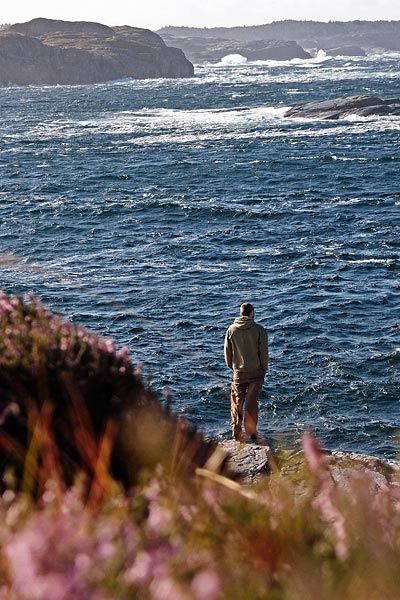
[(246, 354)]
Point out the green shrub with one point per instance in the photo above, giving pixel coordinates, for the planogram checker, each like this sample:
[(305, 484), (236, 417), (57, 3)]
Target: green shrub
[(72, 403)]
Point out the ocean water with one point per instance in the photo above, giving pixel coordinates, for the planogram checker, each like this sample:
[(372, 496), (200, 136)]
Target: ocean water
[(147, 211)]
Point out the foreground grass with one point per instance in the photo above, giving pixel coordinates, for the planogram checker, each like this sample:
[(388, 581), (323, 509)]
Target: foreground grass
[(90, 511), (203, 538)]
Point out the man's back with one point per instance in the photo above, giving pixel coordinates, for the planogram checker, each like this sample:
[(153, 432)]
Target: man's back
[(246, 345)]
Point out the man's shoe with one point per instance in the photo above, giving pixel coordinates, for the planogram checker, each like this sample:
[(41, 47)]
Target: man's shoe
[(257, 437)]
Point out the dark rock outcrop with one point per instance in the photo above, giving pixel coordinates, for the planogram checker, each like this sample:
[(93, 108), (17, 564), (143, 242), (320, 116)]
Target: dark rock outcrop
[(207, 49), (45, 51), (364, 105), (345, 51)]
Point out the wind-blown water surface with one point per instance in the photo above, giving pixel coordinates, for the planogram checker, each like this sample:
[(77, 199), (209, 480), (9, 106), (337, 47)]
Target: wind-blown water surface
[(148, 211)]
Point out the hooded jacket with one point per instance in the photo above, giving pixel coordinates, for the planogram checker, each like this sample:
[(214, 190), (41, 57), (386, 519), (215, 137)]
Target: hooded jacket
[(246, 346)]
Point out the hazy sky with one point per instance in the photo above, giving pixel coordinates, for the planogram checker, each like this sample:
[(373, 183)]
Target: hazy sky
[(153, 14)]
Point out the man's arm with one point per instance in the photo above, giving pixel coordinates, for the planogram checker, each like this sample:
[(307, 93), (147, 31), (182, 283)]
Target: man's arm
[(263, 349), (228, 351)]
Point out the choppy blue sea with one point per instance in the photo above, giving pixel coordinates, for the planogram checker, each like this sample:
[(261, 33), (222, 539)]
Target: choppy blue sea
[(147, 211)]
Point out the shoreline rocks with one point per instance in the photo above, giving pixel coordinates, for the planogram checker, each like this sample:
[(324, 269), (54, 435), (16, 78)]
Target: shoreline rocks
[(249, 463), (363, 105)]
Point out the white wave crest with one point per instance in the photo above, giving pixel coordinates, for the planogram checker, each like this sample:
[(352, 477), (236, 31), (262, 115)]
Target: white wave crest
[(233, 59)]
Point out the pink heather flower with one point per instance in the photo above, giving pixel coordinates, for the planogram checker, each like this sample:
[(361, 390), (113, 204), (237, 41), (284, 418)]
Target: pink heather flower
[(20, 556), (49, 558), (324, 501), (159, 518), (5, 304), (153, 490), (187, 513), (197, 558), (28, 581), (109, 345), (64, 345), (149, 566), (167, 589), (313, 452), (130, 538), (332, 515), (210, 495), (123, 353), (15, 301), (394, 489), (83, 564), (206, 585), (140, 571)]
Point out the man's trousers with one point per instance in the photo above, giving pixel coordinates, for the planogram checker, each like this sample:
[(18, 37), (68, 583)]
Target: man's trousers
[(245, 389)]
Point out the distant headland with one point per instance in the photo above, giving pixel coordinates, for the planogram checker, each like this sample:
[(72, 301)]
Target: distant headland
[(285, 40), (53, 52)]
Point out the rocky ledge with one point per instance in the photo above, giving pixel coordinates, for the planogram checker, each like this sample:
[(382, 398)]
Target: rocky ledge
[(52, 52), (362, 106), (250, 462)]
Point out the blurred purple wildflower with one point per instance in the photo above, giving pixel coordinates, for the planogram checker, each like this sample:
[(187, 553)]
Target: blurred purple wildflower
[(206, 585), (324, 499)]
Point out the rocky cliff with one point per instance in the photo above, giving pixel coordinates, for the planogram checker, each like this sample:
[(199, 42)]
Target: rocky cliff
[(45, 51)]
